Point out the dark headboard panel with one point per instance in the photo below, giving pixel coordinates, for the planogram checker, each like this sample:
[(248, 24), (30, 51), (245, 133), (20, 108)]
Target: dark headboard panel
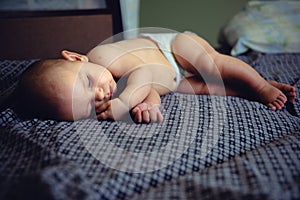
[(30, 35)]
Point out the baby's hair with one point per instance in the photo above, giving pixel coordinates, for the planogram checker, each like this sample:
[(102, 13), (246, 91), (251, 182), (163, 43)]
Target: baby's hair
[(33, 93)]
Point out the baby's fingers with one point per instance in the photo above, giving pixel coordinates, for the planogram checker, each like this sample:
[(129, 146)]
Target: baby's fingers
[(102, 107), (104, 115), (156, 116), (146, 116), (137, 113), (160, 117), (145, 113)]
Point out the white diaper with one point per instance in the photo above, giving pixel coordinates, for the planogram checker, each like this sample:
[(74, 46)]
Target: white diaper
[(164, 41)]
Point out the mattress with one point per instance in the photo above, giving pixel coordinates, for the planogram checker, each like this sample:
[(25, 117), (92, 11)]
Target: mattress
[(208, 147)]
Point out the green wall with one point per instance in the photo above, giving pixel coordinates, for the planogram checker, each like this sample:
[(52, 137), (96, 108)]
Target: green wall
[(205, 17)]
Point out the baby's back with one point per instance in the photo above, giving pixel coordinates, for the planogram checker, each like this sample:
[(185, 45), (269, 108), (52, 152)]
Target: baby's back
[(124, 56)]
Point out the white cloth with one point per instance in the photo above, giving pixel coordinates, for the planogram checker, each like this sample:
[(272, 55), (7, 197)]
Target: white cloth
[(164, 41)]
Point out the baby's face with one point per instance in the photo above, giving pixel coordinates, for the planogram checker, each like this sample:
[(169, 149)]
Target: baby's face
[(86, 86)]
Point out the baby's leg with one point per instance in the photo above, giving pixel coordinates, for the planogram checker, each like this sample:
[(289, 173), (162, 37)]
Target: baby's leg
[(195, 85), (196, 56)]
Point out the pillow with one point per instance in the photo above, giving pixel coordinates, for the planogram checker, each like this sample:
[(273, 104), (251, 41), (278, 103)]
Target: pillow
[(265, 26)]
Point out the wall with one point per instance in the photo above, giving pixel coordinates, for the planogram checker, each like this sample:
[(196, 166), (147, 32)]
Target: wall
[(201, 16), (45, 37)]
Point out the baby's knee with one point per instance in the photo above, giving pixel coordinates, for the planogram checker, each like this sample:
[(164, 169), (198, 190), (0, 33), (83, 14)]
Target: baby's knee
[(178, 43), (181, 39)]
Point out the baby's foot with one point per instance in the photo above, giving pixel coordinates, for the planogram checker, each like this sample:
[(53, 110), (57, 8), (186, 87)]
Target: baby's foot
[(275, 94), (288, 90), (271, 96)]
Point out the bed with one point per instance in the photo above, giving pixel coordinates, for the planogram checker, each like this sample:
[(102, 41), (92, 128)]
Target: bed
[(208, 147)]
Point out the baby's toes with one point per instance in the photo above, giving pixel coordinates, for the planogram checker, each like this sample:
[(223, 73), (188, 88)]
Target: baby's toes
[(282, 98), (272, 106), (278, 103)]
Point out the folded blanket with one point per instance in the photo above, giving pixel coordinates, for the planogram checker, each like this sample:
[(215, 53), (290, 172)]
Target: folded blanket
[(265, 26)]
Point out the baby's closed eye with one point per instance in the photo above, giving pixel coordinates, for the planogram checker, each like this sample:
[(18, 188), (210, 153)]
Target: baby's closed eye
[(90, 82)]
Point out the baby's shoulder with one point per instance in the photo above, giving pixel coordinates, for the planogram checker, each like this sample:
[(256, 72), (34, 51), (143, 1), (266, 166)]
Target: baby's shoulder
[(127, 45), (106, 53)]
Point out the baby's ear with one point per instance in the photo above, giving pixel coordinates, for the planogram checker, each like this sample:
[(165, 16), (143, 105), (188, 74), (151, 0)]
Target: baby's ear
[(72, 56)]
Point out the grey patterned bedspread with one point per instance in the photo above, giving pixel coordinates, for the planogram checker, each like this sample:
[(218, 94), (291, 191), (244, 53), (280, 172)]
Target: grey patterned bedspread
[(208, 147)]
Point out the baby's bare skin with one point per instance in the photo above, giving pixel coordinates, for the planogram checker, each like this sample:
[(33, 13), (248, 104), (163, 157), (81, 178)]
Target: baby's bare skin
[(150, 75), (197, 57), (75, 85)]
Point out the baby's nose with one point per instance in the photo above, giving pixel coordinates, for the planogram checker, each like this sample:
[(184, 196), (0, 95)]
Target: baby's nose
[(99, 94)]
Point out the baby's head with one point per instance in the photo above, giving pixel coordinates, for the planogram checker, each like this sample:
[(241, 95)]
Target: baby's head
[(63, 89)]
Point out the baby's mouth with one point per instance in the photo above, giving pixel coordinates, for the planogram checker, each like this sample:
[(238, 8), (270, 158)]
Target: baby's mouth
[(112, 91)]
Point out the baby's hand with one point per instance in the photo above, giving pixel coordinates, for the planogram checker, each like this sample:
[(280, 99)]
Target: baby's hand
[(146, 113), (113, 109)]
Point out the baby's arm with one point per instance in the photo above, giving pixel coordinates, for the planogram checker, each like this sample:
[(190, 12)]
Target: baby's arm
[(148, 111), (138, 87)]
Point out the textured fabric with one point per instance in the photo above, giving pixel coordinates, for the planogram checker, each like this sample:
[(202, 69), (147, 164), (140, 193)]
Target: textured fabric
[(220, 148), (265, 26)]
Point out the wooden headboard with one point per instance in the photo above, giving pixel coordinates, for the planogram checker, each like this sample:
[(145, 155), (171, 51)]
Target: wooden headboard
[(43, 34)]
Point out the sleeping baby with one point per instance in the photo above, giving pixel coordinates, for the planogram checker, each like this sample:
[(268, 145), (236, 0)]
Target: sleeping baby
[(82, 86)]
